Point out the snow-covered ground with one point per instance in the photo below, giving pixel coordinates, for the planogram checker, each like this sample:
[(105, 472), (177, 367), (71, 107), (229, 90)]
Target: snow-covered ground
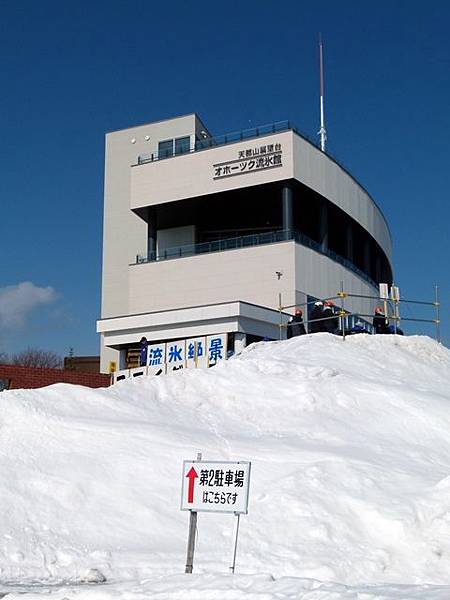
[(350, 491)]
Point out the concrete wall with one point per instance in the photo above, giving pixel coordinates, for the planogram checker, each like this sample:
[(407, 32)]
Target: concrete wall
[(248, 274), (192, 175), (316, 170), (124, 233), (319, 276)]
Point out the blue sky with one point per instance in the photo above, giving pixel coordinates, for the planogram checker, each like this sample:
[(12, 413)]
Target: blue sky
[(72, 71)]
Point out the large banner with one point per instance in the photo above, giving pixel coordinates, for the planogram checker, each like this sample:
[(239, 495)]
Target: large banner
[(191, 353)]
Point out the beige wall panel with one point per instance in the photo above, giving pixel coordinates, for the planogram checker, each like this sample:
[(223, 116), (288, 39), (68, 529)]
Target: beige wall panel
[(321, 277), (192, 175), (326, 177), (248, 274), (124, 233)]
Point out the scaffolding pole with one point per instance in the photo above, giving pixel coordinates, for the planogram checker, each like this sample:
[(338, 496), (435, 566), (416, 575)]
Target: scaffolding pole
[(438, 320)]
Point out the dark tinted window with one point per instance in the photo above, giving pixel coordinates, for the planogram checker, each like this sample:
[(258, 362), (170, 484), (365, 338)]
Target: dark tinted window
[(182, 145), (165, 149)]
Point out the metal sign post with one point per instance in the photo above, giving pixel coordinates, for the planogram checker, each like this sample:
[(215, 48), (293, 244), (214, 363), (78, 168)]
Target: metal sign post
[(191, 536), (342, 295), (235, 541), (214, 486), (191, 542)]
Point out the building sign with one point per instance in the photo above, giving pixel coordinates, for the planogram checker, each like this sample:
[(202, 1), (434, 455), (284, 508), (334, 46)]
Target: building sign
[(215, 486), (216, 348), (191, 353), (156, 359), (196, 355), (175, 355), (258, 158)]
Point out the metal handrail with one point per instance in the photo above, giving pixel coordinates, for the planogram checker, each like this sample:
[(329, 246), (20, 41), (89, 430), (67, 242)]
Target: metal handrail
[(223, 140), (255, 239), (254, 132)]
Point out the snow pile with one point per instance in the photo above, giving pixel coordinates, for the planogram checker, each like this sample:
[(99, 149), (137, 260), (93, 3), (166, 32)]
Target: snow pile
[(350, 452)]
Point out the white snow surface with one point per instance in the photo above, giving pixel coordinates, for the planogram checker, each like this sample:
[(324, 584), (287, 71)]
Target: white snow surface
[(350, 490)]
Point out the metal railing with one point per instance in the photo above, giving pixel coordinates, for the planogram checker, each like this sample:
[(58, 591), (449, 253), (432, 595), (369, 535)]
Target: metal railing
[(247, 134), (246, 241), (347, 319), (223, 140)]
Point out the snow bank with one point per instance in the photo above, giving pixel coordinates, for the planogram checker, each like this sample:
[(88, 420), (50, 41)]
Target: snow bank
[(350, 452)]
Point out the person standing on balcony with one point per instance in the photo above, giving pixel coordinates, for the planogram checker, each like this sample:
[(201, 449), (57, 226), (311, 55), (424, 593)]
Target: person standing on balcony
[(331, 325), (316, 326), (380, 322), (143, 352), (295, 324)]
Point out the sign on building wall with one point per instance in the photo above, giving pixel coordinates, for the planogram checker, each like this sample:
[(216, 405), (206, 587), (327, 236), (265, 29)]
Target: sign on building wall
[(257, 158), (216, 348), (176, 355), (191, 353), (196, 355), (156, 359)]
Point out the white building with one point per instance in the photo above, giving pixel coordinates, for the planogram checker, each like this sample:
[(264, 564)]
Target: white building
[(202, 234)]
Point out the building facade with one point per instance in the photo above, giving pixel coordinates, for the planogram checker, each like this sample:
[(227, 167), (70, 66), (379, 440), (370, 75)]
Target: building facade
[(204, 235)]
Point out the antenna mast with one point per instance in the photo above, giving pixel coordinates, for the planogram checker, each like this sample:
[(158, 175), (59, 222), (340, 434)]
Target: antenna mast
[(322, 130)]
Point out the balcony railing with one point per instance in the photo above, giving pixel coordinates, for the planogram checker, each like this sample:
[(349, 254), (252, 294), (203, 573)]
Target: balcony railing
[(222, 140), (247, 134), (247, 241)]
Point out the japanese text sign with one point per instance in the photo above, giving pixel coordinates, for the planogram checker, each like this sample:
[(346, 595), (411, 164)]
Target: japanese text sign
[(216, 348), (215, 486), (257, 158), (176, 355)]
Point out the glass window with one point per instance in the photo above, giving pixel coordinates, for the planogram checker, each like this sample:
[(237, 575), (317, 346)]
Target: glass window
[(165, 149), (182, 145)]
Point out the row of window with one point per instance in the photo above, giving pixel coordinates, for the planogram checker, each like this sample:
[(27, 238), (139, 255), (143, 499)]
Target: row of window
[(173, 147)]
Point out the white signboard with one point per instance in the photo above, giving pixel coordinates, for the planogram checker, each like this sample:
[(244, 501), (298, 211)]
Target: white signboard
[(156, 355), (384, 291), (215, 486), (196, 353), (216, 348), (175, 355), (395, 293)]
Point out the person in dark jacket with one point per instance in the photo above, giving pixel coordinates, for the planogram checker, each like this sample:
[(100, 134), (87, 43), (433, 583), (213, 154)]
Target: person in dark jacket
[(331, 325), (143, 352), (380, 323), (295, 324), (316, 313)]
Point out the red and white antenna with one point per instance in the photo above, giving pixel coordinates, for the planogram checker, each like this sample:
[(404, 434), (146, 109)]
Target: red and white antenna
[(322, 130)]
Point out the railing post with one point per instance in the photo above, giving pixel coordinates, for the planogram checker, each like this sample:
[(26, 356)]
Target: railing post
[(281, 314), (438, 321), (342, 311)]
